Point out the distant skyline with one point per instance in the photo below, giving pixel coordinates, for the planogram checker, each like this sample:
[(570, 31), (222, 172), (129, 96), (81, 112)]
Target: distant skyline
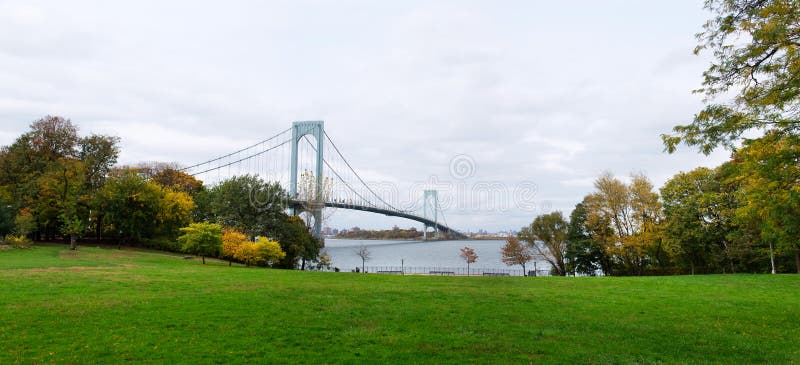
[(544, 96)]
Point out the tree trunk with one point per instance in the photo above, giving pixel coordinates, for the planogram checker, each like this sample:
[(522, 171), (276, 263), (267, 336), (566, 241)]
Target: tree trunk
[(691, 263), (204, 259), (524, 273), (73, 242), (771, 258), (797, 260), (230, 263), (99, 228), (362, 266)]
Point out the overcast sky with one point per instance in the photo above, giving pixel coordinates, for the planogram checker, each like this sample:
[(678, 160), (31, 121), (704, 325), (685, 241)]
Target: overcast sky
[(534, 93)]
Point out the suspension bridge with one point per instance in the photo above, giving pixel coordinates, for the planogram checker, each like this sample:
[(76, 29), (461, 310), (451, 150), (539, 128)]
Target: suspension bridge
[(306, 162)]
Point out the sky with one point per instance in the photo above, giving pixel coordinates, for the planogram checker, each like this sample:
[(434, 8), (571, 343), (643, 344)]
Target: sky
[(513, 108)]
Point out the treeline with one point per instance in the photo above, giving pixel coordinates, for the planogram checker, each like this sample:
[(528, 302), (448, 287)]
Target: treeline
[(387, 234), (57, 185), (741, 217)]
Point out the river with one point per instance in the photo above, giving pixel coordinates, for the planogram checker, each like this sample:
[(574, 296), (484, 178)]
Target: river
[(423, 256)]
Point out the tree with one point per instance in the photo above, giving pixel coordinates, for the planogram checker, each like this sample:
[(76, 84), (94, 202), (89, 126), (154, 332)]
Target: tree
[(232, 240), (625, 219), (296, 241), (174, 211), (695, 220), (584, 254), (24, 222), (770, 189), (131, 205), (262, 253), (324, 261), (178, 181), (755, 48), (364, 254), (204, 239), (515, 253), (99, 154), (468, 255), (312, 198), (248, 204), (547, 235)]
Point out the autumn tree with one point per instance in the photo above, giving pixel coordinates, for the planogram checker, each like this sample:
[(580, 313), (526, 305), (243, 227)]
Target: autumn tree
[(178, 181), (40, 171), (770, 192), (515, 253), (312, 197), (625, 219), (232, 240), (753, 82), (265, 252), (175, 211), (469, 256), (547, 236), (204, 239)]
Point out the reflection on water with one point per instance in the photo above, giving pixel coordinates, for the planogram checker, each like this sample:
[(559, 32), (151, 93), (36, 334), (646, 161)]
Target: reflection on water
[(419, 254)]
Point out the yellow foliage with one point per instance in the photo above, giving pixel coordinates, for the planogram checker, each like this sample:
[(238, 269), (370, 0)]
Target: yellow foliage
[(176, 208), (235, 245), (232, 240)]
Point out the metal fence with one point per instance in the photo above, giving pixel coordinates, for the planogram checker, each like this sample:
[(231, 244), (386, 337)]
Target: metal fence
[(450, 271)]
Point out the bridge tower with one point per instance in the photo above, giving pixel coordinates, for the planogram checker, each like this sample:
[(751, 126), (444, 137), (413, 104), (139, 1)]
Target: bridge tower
[(316, 129), (430, 210)]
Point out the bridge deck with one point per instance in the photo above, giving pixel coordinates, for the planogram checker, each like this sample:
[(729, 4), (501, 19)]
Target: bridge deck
[(392, 213)]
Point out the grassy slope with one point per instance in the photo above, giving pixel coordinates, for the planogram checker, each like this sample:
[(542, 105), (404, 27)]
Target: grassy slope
[(108, 306)]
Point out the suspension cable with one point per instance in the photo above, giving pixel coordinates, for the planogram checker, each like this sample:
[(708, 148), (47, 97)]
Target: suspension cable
[(339, 176), (355, 173), (233, 153), (243, 158)]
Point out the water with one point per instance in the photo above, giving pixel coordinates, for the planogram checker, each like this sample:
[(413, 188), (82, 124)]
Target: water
[(421, 254)]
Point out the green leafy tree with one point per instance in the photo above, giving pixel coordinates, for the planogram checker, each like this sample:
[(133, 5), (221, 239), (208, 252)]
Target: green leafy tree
[(547, 236), (584, 254), (131, 206), (754, 44), (297, 242), (248, 204), (204, 239), (692, 219)]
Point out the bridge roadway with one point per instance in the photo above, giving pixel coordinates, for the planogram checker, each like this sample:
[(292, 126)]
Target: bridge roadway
[(453, 234)]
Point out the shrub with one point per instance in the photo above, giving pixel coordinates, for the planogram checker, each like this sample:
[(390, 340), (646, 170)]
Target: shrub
[(18, 241)]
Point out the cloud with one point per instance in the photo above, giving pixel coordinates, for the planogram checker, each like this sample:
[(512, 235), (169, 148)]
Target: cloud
[(542, 93)]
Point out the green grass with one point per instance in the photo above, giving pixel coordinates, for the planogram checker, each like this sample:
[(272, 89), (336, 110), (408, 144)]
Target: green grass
[(109, 306)]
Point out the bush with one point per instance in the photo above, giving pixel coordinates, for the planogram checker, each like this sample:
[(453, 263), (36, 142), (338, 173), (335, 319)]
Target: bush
[(18, 241)]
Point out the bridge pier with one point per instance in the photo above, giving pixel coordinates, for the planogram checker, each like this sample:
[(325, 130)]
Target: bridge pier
[(314, 204), (430, 210)]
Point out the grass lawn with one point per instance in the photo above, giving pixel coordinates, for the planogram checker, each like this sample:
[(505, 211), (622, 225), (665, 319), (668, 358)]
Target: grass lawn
[(108, 306)]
